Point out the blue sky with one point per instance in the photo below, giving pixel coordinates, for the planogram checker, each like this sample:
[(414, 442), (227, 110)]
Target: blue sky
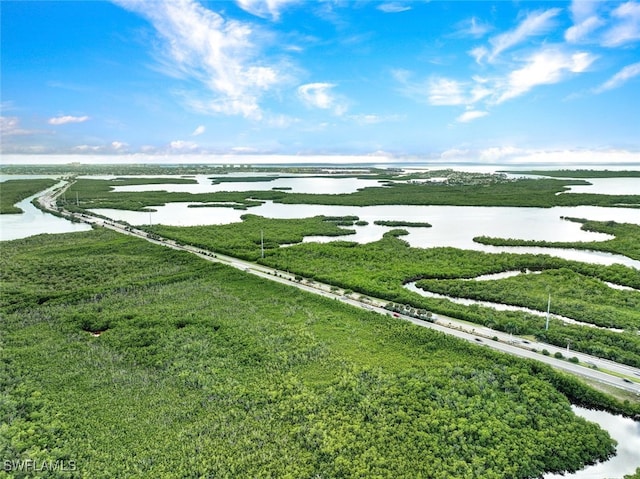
[(460, 81)]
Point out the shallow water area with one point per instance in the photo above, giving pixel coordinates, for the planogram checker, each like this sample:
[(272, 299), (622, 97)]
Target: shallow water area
[(454, 226), (34, 222), (608, 186), (290, 183), (626, 432)]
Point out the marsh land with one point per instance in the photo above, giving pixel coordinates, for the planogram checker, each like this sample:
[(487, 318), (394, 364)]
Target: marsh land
[(132, 358)]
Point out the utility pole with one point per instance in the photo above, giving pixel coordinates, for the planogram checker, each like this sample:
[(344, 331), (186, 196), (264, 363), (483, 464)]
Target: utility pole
[(77, 202), (262, 243)]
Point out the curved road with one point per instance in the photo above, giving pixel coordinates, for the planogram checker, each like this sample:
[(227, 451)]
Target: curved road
[(590, 367)]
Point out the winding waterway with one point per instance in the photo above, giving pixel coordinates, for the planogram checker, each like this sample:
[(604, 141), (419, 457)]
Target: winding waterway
[(34, 221), (501, 307)]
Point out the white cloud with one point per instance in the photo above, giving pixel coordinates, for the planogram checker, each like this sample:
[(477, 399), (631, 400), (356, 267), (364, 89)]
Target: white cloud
[(320, 95), (370, 119), (580, 31), (182, 145), (316, 94), (479, 53), (584, 157), (534, 24), (605, 23), (9, 125), (87, 148), (220, 54), (244, 149), (393, 7), (471, 115), (473, 27), (586, 19), (620, 78), (264, 8), (627, 29), (448, 92), (63, 120), (409, 88), (442, 91), (479, 91), (113, 147), (544, 67), (199, 130), (280, 121), (499, 154), (583, 9), (527, 156)]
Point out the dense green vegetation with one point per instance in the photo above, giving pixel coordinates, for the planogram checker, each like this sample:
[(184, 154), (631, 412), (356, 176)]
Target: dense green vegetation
[(247, 239), (580, 173), (636, 475), (381, 268), (574, 296), (173, 180), (13, 191), (524, 192), (626, 241), (99, 194), (394, 224), (496, 191), (131, 359), (215, 180)]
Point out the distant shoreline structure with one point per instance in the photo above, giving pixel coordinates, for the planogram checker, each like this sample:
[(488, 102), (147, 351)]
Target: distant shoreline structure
[(520, 159)]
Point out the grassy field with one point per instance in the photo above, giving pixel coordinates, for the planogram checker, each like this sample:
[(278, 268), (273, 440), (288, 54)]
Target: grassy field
[(129, 359)]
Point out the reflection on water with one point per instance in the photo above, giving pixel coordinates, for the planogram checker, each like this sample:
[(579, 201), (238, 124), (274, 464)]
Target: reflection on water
[(33, 222), (298, 184), (454, 226), (627, 458), (608, 186)]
